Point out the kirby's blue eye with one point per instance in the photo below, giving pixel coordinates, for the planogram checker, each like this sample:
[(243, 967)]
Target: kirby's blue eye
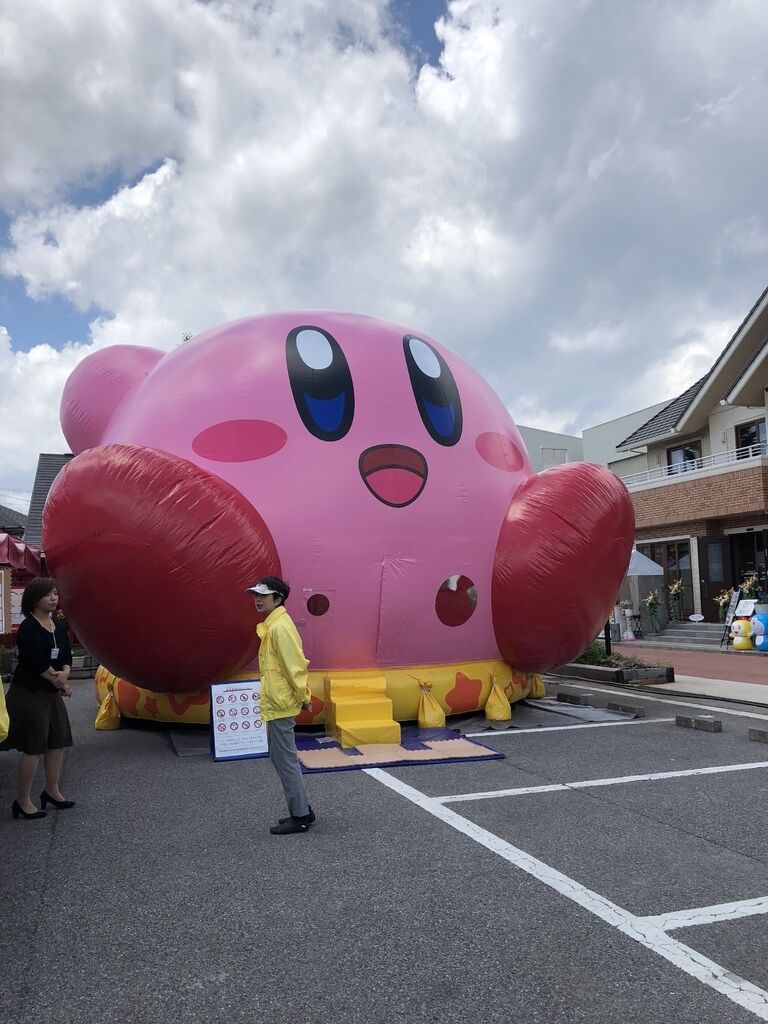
[(437, 397), (320, 382)]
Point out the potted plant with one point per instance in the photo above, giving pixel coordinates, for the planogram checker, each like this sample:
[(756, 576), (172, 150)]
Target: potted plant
[(722, 601), (675, 591), (651, 602), (627, 611), (750, 588)]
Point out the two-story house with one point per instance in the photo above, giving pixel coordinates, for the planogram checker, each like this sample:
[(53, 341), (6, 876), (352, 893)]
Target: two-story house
[(697, 470)]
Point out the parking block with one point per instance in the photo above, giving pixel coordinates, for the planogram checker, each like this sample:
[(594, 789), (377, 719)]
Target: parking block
[(568, 696), (707, 723), (758, 735), (627, 709)]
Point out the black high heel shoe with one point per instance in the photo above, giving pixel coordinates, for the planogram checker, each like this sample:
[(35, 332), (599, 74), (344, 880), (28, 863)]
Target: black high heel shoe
[(17, 810), (60, 805)]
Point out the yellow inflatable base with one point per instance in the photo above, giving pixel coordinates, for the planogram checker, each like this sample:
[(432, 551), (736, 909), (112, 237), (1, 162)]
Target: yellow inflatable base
[(458, 688)]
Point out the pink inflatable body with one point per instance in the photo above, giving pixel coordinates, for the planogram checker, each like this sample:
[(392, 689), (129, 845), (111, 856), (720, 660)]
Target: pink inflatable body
[(362, 461)]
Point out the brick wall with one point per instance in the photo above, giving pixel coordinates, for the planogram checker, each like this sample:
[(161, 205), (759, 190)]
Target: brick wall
[(689, 506)]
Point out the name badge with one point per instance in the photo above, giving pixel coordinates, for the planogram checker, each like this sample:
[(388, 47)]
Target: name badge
[(54, 653)]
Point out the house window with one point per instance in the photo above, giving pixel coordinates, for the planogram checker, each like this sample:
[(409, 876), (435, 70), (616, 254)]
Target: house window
[(750, 439), (715, 562), (683, 458)]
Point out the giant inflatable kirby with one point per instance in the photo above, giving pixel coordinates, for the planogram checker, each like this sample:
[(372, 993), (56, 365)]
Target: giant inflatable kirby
[(362, 461)]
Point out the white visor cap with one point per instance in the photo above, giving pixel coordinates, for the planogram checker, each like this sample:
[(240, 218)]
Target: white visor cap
[(261, 588)]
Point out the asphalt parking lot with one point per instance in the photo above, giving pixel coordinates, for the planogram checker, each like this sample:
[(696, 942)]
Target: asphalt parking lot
[(571, 897)]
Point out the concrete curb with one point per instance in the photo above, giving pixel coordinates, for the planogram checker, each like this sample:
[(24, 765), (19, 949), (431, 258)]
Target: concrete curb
[(660, 691), (622, 676)]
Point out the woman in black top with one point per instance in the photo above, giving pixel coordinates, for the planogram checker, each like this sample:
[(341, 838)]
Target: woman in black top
[(39, 724)]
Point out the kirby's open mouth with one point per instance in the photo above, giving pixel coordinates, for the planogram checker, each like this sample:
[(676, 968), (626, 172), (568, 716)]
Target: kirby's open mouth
[(393, 473)]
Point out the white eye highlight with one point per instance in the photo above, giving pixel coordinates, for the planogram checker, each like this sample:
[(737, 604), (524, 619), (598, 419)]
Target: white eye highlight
[(424, 357), (314, 349)]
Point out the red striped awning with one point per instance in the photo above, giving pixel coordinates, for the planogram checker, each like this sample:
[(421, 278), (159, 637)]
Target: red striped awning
[(19, 555)]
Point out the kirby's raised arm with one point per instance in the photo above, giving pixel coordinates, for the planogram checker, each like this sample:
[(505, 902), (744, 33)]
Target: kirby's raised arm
[(562, 553), (96, 389), (157, 551)]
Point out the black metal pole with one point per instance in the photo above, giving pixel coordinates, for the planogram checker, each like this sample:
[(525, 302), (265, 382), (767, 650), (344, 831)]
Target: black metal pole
[(607, 638)]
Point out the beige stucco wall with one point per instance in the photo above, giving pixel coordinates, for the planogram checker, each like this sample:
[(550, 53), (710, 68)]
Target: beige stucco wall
[(724, 421), (625, 467), (657, 453), (535, 440), (600, 441)]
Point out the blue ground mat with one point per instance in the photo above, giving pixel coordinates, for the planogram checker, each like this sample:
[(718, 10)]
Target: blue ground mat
[(417, 746)]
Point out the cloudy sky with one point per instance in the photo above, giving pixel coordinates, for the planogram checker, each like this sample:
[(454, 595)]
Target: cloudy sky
[(570, 193)]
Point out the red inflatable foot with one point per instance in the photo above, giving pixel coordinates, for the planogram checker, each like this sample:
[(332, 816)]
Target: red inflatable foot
[(562, 553), (152, 555)]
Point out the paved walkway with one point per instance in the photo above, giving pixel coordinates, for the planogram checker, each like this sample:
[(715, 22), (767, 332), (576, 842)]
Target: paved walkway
[(709, 673), (708, 665)]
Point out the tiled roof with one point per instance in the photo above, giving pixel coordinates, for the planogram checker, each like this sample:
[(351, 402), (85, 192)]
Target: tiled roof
[(662, 424), (11, 521), (48, 468)]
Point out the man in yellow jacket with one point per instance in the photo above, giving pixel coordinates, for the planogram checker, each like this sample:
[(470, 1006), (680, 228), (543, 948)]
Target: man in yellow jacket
[(284, 691)]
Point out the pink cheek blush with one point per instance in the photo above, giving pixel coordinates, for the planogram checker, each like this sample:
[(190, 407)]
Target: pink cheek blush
[(239, 441), (499, 451)]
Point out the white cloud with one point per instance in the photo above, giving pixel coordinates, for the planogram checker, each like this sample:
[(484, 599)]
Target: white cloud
[(544, 188), (30, 391), (601, 338), (747, 237)]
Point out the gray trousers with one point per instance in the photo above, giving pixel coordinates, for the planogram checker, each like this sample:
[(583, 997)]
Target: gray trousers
[(282, 753)]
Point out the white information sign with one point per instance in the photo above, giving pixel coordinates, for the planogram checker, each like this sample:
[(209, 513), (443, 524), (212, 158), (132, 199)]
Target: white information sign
[(745, 607), (237, 728), (16, 617)]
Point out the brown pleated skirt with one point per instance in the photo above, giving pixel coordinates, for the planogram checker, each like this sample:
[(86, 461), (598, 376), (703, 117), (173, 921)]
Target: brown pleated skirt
[(38, 721)]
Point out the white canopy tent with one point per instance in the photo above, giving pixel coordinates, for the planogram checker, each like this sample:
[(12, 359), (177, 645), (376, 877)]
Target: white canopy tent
[(641, 565)]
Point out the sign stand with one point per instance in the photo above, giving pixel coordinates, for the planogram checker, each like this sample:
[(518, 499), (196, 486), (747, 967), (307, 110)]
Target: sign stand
[(729, 616), (237, 728)]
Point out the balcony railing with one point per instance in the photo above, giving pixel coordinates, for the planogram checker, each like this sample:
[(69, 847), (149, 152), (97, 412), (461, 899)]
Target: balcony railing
[(737, 457)]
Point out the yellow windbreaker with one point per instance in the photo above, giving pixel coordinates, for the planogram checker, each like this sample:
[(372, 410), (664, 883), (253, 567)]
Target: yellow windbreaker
[(282, 666)]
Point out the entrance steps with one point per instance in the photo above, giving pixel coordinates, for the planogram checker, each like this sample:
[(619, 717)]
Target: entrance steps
[(686, 636), (357, 709), (705, 634)]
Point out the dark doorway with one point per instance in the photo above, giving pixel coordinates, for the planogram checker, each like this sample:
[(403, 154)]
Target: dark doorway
[(716, 573), (748, 557)]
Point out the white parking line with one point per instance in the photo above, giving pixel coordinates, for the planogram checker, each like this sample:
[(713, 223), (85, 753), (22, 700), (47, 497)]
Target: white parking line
[(708, 915), (647, 934), (662, 698), (557, 728), (590, 783)]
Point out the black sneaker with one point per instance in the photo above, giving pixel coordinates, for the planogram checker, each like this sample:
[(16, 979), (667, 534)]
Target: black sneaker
[(309, 818), (290, 827)]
